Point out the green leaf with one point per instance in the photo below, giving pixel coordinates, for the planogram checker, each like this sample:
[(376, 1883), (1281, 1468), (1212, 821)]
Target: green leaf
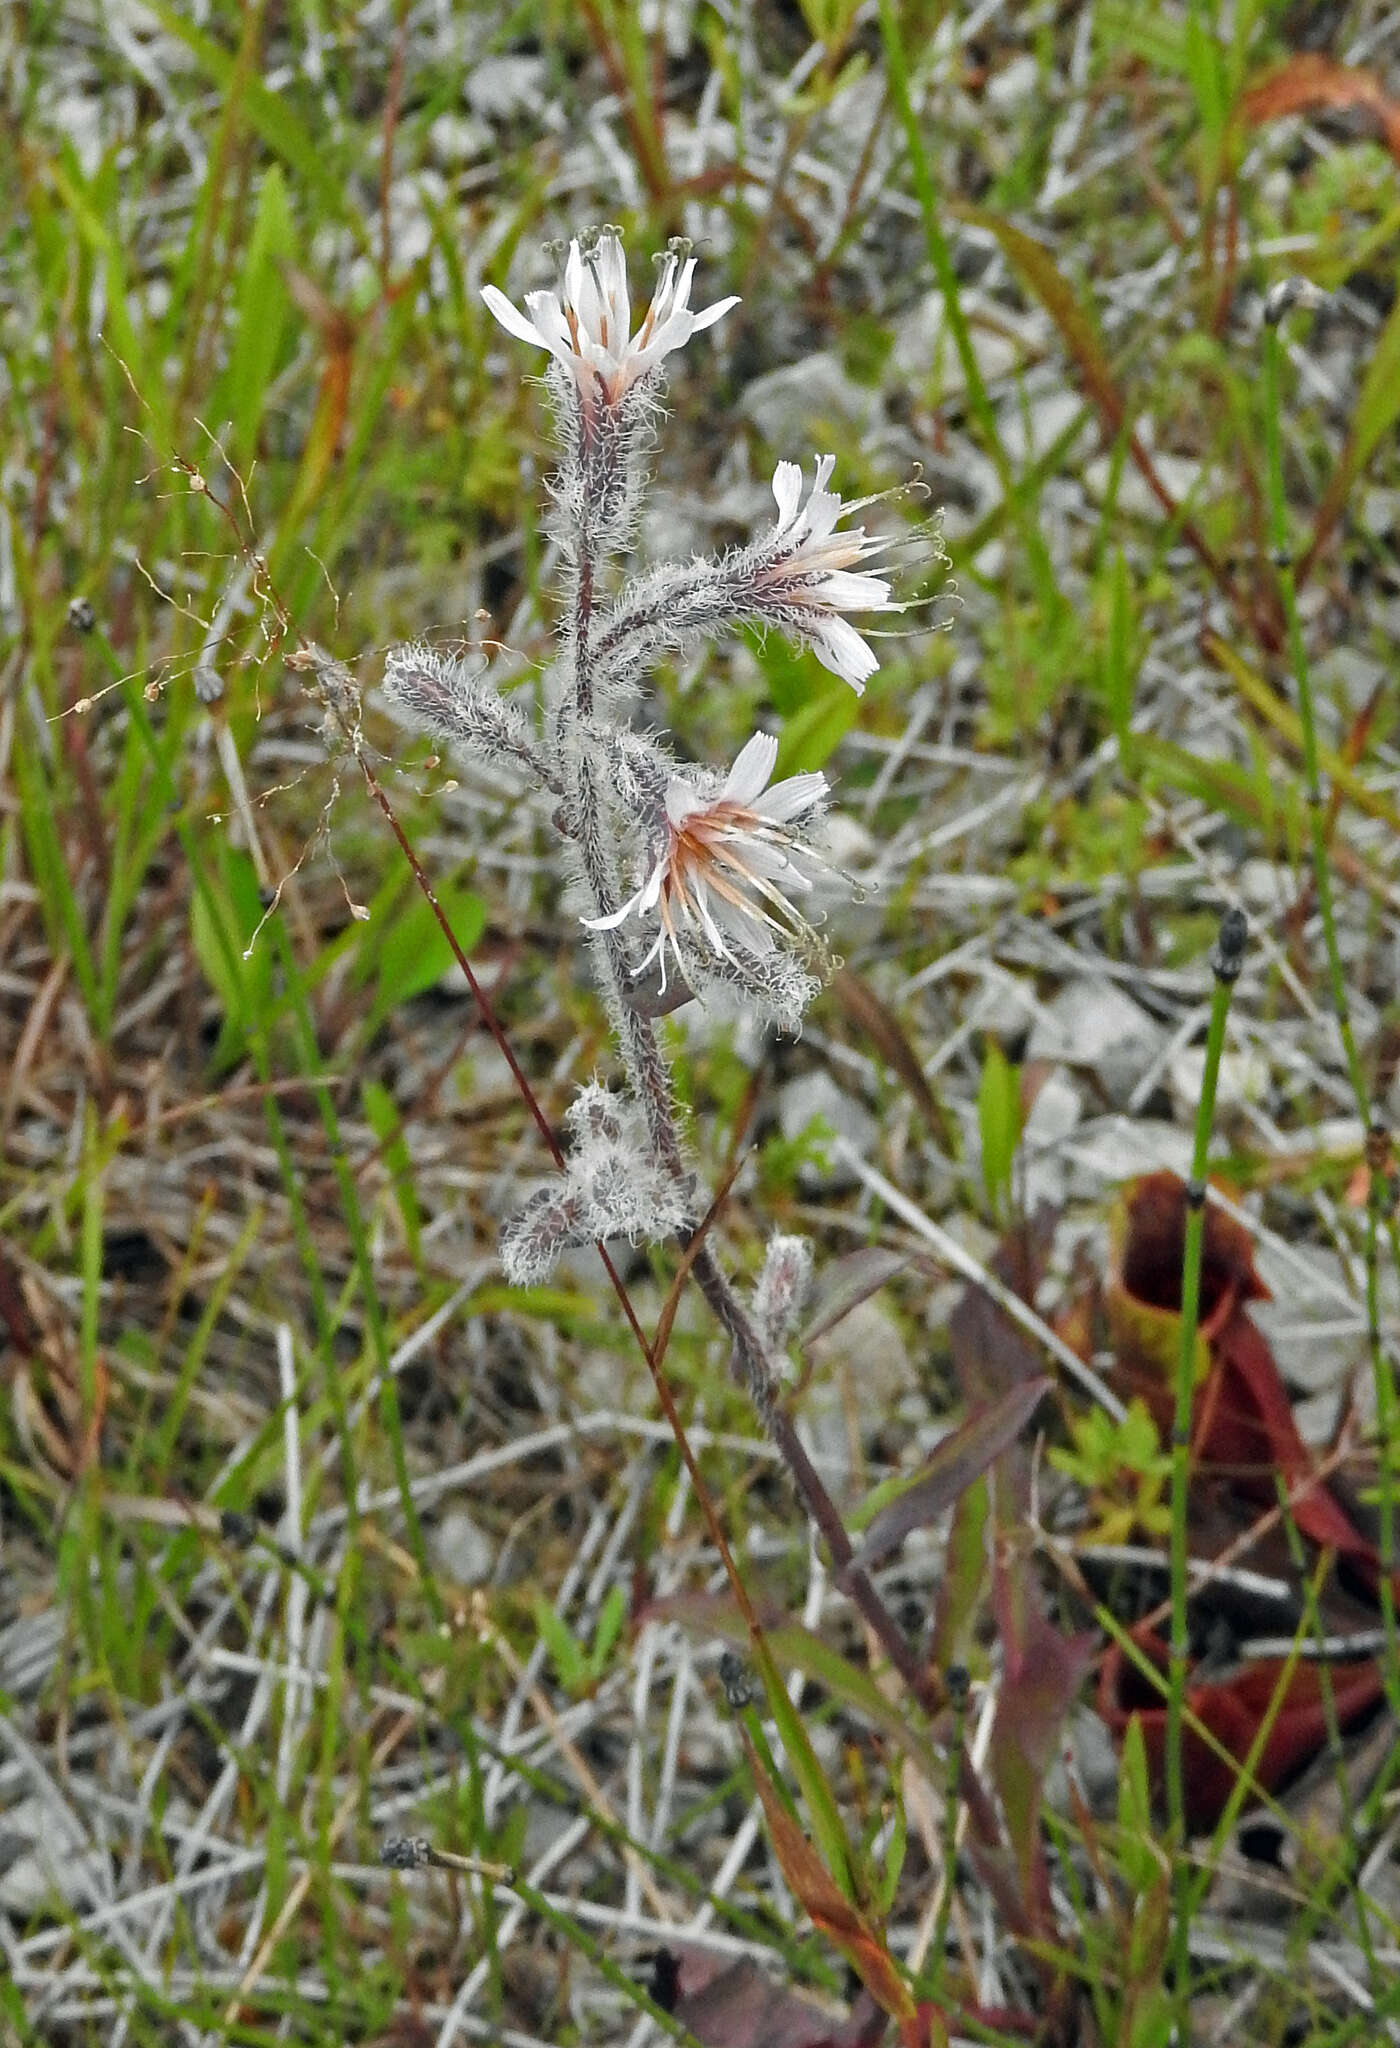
[(999, 1121), (409, 949), (1206, 72), (263, 303), (268, 113), (63, 914), (816, 708), (382, 1114), (894, 1859), (1117, 666), (1139, 1860), (610, 1620), (569, 1660), (222, 923), (799, 1647), (811, 737), (965, 1567)]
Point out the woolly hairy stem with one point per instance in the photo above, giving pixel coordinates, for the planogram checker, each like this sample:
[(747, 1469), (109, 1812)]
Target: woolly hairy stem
[(672, 607), (751, 1369), (583, 620), (650, 1081), (641, 1053)]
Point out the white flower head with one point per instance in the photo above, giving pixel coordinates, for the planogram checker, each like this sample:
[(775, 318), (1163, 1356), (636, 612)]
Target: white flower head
[(722, 885), (806, 573), (587, 326)]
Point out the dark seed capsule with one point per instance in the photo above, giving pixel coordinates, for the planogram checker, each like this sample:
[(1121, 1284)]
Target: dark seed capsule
[(737, 1680), (1228, 957), (665, 1979), (81, 616), (404, 1852)]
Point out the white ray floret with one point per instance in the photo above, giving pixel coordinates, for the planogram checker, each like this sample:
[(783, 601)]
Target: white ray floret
[(729, 865), (810, 569), (587, 325)]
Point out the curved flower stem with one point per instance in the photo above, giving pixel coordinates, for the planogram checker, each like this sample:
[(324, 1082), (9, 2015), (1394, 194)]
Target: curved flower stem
[(1226, 962), (650, 1082)]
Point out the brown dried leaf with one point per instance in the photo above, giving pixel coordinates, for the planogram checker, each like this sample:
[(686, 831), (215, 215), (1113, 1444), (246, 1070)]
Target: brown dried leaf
[(1308, 82), (816, 1891)]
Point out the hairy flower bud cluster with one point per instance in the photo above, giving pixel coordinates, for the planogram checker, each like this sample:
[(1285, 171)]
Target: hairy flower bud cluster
[(613, 1186), (444, 696), (781, 1290), (805, 575), (604, 379), (587, 325)]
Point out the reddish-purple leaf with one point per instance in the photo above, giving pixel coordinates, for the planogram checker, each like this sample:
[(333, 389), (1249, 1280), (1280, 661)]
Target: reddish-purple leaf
[(1041, 1677), (737, 2005), (959, 1460), (845, 1284), (990, 1352), (1299, 1702)]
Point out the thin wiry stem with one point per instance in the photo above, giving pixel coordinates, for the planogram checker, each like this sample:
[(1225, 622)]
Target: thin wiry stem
[(1226, 962)]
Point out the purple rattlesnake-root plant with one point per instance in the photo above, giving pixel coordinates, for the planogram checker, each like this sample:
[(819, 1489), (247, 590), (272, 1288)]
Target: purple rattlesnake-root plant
[(691, 882)]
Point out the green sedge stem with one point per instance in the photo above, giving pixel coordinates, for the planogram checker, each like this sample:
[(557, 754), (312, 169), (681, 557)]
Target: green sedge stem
[(897, 71), (1225, 963)]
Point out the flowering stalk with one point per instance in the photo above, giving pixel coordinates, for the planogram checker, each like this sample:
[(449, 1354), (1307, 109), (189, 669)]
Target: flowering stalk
[(690, 878)]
